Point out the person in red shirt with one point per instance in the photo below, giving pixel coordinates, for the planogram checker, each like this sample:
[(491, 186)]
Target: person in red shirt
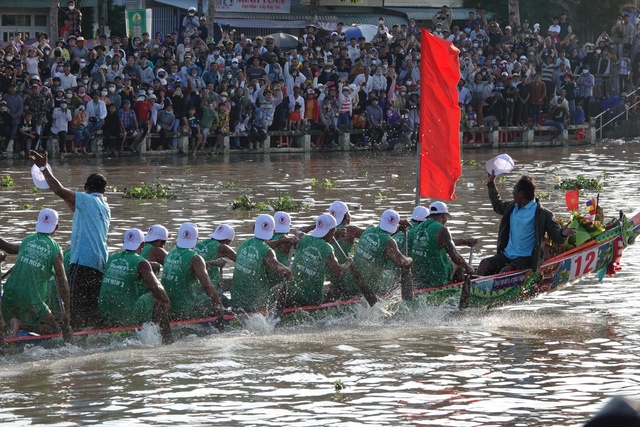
[(142, 107)]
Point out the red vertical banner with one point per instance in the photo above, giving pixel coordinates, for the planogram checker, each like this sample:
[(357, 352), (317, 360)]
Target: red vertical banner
[(439, 118), (573, 200)]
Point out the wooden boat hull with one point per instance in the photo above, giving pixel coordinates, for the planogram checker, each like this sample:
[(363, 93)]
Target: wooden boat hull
[(601, 255)]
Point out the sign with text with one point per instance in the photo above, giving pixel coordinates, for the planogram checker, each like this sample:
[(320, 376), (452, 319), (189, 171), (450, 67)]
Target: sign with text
[(138, 21), (264, 6)]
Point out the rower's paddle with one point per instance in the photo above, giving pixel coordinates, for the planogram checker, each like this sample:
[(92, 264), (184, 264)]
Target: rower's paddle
[(2, 325), (406, 276), (368, 294), (67, 333), (465, 292)]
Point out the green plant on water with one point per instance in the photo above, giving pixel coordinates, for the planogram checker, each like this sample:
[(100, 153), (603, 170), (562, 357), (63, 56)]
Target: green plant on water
[(7, 182), (338, 386), (470, 163), (543, 195), (149, 192), (27, 206), (34, 189), (462, 180), (581, 183), (245, 203), (502, 179), (326, 183), (284, 203), (231, 185), (280, 203), (382, 195)]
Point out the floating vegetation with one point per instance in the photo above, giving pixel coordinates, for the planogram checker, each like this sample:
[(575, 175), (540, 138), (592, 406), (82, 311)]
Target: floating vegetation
[(34, 189), (543, 195), (502, 179), (338, 386), (382, 195), (474, 163), (285, 203), (149, 192), (245, 203), (326, 183), (580, 183), (232, 185), (7, 182), (281, 203)]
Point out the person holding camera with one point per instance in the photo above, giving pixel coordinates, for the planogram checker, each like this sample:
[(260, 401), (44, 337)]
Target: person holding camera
[(328, 116), (96, 112)]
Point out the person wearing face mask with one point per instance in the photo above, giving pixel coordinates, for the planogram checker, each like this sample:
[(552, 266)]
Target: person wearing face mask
[(585, 84), (96, 112), (111, 96), (377, 82), (191, 23), (75, 19)]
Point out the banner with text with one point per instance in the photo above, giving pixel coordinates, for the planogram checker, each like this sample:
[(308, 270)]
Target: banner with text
[(264, 6), (138, 21)]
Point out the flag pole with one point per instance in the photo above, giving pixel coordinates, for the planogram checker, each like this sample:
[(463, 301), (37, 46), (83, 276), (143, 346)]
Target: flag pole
[(417, 199)]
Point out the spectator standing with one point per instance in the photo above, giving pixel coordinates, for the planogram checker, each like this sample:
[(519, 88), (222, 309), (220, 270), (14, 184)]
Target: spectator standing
[(586, 82), (74, 16)]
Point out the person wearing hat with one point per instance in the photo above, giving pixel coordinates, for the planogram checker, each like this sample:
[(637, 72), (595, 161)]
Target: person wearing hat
[(79, 50), (23, 304), (377, 257), (203, 31), (215, 252), (522, 229), (251, 287), (130, 294), (280, 243), (418, 216), (74, 16), (314, 260), (190, 23), (154, 242), (184, 273), (432, 247)]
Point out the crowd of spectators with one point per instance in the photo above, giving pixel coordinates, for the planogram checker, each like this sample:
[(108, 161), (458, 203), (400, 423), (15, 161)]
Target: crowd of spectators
[(511, 74)]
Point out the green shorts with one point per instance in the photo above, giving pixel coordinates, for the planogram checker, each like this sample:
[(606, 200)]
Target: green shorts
[(137, 313), (30, 313)]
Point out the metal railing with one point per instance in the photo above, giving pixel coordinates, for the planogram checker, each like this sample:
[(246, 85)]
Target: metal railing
[(600, 117)]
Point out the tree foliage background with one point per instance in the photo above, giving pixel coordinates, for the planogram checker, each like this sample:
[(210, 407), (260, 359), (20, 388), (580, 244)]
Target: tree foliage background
[(588, 18)]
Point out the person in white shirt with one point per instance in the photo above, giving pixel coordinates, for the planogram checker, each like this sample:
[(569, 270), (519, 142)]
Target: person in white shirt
[(96, 113), (67, 80), (61, 117)]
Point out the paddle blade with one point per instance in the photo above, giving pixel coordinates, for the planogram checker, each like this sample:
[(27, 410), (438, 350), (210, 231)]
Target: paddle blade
[(67, 332), (406, 284), (465, 293)]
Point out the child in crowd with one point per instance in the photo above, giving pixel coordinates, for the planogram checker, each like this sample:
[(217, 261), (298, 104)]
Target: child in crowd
[(195, 140), (295, 118), (578, 114)]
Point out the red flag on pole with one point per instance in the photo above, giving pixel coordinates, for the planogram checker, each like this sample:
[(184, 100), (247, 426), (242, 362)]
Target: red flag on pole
[(571, 197), (439, 118)]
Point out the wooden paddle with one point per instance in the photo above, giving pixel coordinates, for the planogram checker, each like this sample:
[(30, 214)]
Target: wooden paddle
[(465, 292), (2, 326), (368, 294), (406, 276), (67, 333)]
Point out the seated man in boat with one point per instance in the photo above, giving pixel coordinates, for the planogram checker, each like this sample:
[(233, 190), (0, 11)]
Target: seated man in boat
[(251, 286), (215, 252), (377, 258), (431, 248), (130, 294), (314, 257), (522, 229), (153, 250), (23, 300), (281, 242), (418, 216), (184, 272)]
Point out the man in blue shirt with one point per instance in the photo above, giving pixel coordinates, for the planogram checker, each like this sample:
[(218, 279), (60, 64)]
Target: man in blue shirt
[(522, 229), (91, 218)]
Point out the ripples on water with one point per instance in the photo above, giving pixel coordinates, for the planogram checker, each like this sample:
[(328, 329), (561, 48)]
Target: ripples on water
[(550, 362)]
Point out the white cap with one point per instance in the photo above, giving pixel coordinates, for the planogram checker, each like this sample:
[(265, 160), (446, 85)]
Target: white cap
[(283, 222), (420, 213), (187, 235), (338, 210), (132, 240), (265, 227), (223, 232), (436, 208), (324, 224), (156, 232), (389, 221), (47, 221)]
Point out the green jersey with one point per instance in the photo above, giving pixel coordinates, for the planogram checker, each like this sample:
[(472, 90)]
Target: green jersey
[(208, 249), (399, 236), (371, 260), (250, 286), (145, 250), (121, 289), (431, 266), (282, 257), (309, 270), (26, 289), (180, 282)]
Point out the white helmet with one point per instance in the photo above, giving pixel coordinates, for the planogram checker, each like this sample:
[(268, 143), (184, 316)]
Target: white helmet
[(192, 10)]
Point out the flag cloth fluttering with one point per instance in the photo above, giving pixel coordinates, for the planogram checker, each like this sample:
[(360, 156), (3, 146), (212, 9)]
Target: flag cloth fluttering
[(572, 199), (439, 118), (591, 207)]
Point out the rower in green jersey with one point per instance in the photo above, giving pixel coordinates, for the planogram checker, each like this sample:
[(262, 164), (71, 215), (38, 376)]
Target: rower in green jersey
[(251, 288), (282, 245), (431, 248), (23, 300), (184, 272), (153, 250), (377, 257), (419, 215), (215, 253), (130, 294), (314, 258)]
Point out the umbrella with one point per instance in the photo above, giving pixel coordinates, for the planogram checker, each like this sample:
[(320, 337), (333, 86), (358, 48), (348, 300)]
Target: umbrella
[(284, 40), (366, 31)]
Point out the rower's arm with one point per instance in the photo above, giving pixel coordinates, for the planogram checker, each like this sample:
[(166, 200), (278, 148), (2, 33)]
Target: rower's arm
[(465, 241), (199, 267), (64, 193), (445, 241), (156, 255), (284, 243), (336, 268), (10, 248), (227, 252), (394, 254), (145, 271), (62, 284), (272, 264)]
